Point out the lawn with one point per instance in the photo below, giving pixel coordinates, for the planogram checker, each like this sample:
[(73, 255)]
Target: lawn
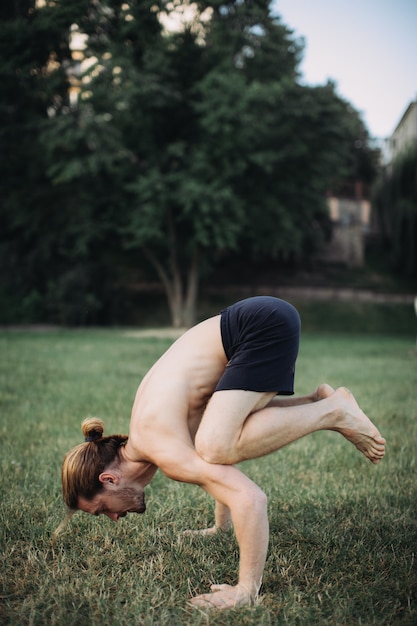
[(343, 531)]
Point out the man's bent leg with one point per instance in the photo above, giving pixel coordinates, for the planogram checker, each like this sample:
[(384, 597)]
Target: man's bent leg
[(221, 426), (230, 433)]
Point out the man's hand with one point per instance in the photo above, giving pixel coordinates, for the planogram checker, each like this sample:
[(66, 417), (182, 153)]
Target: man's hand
[(224, 597)]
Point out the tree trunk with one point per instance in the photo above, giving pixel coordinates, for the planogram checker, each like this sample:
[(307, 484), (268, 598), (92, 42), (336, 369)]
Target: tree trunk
[(181, 294), (189, 311)]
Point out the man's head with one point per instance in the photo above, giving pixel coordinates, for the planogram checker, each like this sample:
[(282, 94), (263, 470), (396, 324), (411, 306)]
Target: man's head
[(84, 466), (97, 478)]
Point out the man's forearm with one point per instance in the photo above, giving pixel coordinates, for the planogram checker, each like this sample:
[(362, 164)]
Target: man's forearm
[(222, 517), (252, 533), (248, 508)]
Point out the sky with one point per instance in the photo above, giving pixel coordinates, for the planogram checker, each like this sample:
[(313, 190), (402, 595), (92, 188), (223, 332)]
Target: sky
[(367, 47)]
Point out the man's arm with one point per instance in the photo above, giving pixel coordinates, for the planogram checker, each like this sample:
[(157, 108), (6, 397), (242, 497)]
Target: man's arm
[(248, 509)]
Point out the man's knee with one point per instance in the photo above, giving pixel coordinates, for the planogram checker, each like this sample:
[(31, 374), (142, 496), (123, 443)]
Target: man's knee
[(213, 451)]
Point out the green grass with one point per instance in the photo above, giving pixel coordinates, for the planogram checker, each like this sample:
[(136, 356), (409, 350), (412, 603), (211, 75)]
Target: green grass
[(343, 532)]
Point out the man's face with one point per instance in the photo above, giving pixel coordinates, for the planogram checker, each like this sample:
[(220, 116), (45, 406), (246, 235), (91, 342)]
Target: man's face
[(115, 501)]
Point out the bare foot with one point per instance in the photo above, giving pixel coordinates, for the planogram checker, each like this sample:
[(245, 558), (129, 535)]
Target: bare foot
[(357, 428), (323, 391)]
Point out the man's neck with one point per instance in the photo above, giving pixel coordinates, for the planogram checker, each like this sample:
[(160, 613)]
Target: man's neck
[(139, 470)]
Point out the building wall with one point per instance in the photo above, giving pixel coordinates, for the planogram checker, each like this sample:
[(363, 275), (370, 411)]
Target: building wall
[(405, 134), (350, 222), (351, 217)]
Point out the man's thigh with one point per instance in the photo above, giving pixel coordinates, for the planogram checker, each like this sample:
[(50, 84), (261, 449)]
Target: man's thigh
[(223, 419)]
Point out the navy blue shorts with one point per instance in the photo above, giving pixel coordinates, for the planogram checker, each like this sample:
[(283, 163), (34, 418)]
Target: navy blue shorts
[(261, 338)]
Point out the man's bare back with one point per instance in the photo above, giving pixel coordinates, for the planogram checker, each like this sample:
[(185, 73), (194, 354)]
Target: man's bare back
[(184, 377)]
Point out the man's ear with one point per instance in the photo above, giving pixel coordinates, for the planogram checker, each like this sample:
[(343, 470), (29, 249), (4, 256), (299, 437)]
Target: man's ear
[(109, 478)]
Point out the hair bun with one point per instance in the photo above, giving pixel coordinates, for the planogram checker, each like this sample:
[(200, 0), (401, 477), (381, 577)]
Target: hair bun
[(92, 428)]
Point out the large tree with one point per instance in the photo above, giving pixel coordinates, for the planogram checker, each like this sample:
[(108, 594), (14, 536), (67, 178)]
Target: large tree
[(184, 143), (225, 148)]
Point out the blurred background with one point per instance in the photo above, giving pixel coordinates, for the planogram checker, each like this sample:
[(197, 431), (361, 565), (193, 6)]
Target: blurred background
[(160, 160)]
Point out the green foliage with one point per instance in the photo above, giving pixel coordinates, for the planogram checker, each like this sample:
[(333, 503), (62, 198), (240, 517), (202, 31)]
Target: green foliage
[(183, 146), (343, 532), (395, 200), (34, 48), (80, 146)]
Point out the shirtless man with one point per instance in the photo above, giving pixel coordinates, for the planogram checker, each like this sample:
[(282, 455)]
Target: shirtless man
[(213, 400)]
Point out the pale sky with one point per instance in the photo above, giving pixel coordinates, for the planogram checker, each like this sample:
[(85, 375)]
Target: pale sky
[(367, 47)]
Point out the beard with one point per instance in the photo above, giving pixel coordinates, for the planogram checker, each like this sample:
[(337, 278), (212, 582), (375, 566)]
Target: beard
[(133, 500)]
